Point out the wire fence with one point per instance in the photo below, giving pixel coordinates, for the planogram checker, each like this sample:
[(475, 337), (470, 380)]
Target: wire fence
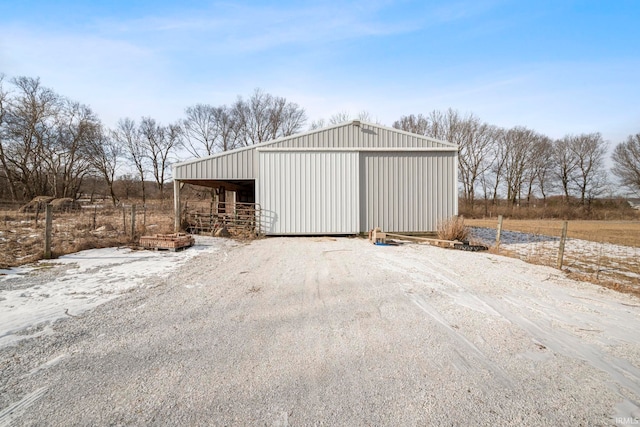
[(592, 257), (74, 228)]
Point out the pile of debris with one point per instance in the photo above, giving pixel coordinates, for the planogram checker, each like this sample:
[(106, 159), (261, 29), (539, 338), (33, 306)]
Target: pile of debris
[(380, 238), (39, 203)]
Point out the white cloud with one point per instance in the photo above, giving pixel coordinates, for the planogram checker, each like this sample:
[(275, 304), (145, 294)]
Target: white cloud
[(237, 28), (158, 64)]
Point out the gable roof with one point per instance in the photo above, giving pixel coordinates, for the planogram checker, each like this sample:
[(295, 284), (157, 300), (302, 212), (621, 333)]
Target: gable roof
[(240, 162)]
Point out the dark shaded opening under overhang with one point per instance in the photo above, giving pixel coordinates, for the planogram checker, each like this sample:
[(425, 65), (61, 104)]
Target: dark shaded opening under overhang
[(245, 189)]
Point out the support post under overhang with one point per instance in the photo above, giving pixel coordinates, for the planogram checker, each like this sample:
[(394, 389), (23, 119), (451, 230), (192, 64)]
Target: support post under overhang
[(176, 205)]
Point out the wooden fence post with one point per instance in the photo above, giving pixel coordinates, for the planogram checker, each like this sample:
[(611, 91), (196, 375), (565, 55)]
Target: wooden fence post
[(47, 231), (563, 238), (133, 221), (498, 231)]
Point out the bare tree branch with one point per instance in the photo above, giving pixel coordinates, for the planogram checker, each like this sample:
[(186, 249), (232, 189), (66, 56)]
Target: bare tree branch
[(626, 162)]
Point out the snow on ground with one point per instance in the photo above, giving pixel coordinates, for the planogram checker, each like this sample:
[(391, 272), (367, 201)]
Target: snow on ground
[(583, 256), (78, 282), (335, 331)]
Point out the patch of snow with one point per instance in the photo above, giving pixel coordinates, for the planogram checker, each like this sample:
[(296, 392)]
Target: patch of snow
[(94, 277)]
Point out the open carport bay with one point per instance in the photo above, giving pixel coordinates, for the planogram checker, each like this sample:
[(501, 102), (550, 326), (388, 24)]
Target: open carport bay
[(338, 331)]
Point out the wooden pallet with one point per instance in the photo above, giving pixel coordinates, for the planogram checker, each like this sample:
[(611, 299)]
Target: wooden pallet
[(167, 242), (377, 237), (435, 242)]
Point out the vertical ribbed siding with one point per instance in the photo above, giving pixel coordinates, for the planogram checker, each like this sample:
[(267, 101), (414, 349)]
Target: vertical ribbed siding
[(407, 192), (340, 136), (309, 192), (378, 137), (350, 136)]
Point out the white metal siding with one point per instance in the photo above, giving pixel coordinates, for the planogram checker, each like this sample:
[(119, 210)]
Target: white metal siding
[(241, 163), (309, 192), (233, 165), (364, 135), (407, 192)]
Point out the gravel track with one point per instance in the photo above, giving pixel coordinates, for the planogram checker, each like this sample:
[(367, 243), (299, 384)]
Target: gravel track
[(323, 331)]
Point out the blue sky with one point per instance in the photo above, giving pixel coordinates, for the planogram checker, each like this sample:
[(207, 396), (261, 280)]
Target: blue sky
[(558, 67)]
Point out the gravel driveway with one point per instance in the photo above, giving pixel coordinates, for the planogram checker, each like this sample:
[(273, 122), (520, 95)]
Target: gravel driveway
[(323, 331)]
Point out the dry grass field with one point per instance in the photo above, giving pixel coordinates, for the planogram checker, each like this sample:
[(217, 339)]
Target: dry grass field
[(22, 233), (625, 233)]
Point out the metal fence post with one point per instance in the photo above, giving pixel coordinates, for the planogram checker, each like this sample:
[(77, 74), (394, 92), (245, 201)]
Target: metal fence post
[(563, 238), (498, 231)]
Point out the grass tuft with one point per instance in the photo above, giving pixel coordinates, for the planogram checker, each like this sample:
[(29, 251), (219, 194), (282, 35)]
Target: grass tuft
[(453, 229)]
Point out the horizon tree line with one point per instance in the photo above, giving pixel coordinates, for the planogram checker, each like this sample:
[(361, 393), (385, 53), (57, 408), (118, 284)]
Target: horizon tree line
[(517, 164), (49, 145)]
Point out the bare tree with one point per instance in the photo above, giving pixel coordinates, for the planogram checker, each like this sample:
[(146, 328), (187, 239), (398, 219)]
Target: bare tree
[(536, 172), (29, 121), (68, 155), (588, 150), (228, 129), (412, 123), (474, 155), (208, 129), (543, 167), (128, 135), (499, 153), (252, 118), (566, 164), (105, 154), (519, 143), (264, 117), (43, 140), (4, 95), (200, 130), (288, 118), (159, 142), (342, 117), (626, 162), (318, 124)]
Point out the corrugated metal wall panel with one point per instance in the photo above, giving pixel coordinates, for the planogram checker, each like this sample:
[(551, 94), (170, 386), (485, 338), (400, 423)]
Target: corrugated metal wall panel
[(233, 165), (407, 192), (380, 137), (309, 192), (364, 135)]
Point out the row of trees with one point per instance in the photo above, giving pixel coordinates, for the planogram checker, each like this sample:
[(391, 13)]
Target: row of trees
[(519, 164), (50, 144)]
